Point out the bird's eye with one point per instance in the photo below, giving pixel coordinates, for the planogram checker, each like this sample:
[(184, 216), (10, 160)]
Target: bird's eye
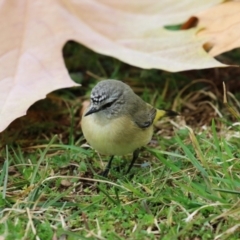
[(107, 105)]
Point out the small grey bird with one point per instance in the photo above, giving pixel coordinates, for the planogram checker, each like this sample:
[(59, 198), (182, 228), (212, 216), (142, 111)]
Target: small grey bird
[(118, 121)]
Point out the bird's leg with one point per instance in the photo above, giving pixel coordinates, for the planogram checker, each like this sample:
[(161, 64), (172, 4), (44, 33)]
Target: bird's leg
[(135, 156), (108, 167)]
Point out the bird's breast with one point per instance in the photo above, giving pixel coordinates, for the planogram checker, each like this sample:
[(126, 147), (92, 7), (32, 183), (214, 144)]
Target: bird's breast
[(116, 136)]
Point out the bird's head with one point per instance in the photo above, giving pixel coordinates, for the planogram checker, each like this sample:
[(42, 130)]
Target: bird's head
[(108, 97)]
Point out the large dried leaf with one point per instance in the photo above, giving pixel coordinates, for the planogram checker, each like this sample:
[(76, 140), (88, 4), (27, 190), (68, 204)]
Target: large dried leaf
[(220, 27), (34, 32)]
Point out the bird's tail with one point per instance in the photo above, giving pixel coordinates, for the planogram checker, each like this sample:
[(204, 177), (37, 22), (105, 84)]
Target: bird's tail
[(164, 113)]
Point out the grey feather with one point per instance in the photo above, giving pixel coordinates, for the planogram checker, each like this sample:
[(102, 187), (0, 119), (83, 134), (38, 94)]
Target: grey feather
[(145, 118)]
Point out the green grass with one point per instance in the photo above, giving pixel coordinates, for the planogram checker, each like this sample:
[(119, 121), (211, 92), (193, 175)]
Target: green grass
[(186, 193), (185, 185)]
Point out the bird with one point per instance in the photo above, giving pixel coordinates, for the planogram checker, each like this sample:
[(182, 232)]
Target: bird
[(118, 121)]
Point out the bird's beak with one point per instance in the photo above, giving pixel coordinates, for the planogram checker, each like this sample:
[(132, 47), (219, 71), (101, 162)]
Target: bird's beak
[(91, 110)]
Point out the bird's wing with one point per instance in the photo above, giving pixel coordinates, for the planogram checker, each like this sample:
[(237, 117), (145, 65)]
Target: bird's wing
[(144, 118)]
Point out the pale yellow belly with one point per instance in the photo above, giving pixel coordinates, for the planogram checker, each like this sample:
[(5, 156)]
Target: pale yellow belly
[(117, 136)]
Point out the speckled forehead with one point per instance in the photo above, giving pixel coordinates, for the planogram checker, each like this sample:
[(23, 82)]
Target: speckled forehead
[(98, 97)]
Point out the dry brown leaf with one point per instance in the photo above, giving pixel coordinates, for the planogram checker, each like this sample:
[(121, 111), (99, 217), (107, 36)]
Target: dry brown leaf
[(34, 32), (220, 26)]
